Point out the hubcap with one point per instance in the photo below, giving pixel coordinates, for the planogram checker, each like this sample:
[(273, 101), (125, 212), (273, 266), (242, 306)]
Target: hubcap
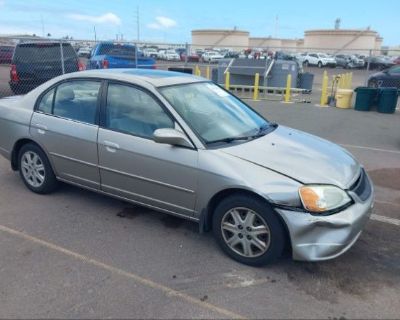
[(32, 169), (245, 232)]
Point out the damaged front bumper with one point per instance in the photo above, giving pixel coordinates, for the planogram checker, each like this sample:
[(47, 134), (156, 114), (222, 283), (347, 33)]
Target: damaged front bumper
[(318, 238)]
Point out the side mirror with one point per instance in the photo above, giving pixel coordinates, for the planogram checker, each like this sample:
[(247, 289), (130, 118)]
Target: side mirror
[(172, 137)]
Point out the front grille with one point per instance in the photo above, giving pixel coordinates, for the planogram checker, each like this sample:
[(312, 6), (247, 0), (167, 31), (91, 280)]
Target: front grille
[(362, 187)]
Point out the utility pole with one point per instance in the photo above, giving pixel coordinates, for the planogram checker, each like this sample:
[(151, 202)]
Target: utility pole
[(95, 35), (276, 26), (138, 23), (41, 20)]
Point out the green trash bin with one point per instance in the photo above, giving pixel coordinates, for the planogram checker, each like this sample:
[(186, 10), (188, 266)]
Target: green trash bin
[(366, 98), (387, 100)]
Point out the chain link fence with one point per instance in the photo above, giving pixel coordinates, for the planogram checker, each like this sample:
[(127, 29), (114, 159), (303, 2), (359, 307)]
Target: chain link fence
[(25, 63)]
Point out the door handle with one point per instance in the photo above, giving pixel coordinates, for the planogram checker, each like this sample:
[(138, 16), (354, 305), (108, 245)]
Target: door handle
[(111, 146), (41, 128)]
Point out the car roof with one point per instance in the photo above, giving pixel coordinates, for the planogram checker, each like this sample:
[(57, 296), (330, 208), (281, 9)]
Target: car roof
[(157, 78)]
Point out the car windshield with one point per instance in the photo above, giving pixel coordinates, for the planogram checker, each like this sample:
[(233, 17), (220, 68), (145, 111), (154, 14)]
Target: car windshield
[(214, 114), (322, 55)]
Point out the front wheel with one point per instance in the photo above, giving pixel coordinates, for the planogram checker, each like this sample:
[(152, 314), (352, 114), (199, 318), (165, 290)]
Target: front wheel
[(248, 230), (35, 169), (319, 64)]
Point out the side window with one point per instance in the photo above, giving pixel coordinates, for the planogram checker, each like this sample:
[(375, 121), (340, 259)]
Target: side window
[(77, 100), (134, 111), (46, 104)]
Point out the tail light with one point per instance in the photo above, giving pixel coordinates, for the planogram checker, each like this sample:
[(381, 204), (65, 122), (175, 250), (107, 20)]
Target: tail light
[(13, 73), (81, 66), (105, 64)]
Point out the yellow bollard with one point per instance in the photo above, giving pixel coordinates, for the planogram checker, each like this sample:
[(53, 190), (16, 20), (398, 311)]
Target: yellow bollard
[(288, 87), (208, 72), (256, 83), (324, 93), (351, 80), (197, 72), (227, 80)]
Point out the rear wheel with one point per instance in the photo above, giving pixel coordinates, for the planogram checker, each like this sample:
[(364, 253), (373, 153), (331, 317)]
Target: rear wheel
[(248, 230), (35, 169), (319, 64), (305, 63)]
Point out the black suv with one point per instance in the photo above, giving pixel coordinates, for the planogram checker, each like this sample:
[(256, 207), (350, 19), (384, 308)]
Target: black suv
[(34, 63)]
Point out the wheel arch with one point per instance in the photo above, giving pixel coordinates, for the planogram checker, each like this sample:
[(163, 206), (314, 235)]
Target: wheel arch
[(17, 147), (205, 223)]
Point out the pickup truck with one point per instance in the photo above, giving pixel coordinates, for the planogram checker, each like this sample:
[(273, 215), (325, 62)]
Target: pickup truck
[(116, 55)]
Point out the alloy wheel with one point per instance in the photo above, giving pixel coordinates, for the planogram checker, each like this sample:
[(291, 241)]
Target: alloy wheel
[(245, 232), (33, 169)]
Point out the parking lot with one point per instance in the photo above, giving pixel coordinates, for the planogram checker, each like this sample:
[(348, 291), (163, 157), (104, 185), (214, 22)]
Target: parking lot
[(76, 254), (359, 76)]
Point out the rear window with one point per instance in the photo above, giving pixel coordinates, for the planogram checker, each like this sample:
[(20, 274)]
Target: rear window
[(40, 52), (117, 50)]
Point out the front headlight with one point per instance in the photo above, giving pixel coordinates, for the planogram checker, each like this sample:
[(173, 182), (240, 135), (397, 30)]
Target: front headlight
[(319, 198)]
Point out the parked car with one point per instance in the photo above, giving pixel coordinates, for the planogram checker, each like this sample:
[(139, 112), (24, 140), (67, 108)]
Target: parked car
[(192, 57), (396, 60), (161, 54), (150, 53), (379, 63), (348, 61), (108, 55), (386, 78), (84, 52), (211, 56), (6, 53), (231, 55), (34, 63), (171, 55), (182, 145), (319, 59)]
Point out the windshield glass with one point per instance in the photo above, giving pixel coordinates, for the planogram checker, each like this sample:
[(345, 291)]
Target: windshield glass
[(213, 113)]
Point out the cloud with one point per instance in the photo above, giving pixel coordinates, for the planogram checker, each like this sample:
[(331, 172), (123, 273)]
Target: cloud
[(105, 18), (162, 23)]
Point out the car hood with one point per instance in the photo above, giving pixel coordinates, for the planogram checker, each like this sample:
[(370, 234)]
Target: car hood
[(300, 156)]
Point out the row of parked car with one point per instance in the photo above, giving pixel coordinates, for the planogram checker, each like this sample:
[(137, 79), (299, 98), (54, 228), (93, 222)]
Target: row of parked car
[(34, 63)]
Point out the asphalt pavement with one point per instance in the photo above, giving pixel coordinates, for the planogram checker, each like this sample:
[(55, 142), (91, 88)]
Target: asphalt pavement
[(76, 254)]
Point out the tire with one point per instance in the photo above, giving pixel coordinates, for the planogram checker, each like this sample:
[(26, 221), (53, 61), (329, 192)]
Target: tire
[(231, 214), (319, 64), (35, 169), (305, 63)]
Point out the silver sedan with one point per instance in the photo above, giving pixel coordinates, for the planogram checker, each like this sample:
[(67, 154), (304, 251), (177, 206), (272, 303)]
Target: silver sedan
[(182, 145)]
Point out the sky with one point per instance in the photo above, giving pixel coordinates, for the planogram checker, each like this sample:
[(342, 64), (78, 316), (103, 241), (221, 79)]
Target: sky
[(172, 20)]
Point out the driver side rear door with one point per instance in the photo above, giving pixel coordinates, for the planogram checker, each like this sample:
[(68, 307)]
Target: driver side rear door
[(132, 165)]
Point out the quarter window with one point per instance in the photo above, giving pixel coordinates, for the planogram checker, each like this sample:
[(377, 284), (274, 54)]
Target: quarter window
[(77, 100), (46, 104), (134, 111)]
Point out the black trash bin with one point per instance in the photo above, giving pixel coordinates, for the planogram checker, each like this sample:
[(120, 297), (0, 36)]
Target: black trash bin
[(387, 100), (306, 81), (181, 69), (366, 98)]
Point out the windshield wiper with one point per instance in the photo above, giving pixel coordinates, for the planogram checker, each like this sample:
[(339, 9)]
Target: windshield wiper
[(264, 129), (230, 139)]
